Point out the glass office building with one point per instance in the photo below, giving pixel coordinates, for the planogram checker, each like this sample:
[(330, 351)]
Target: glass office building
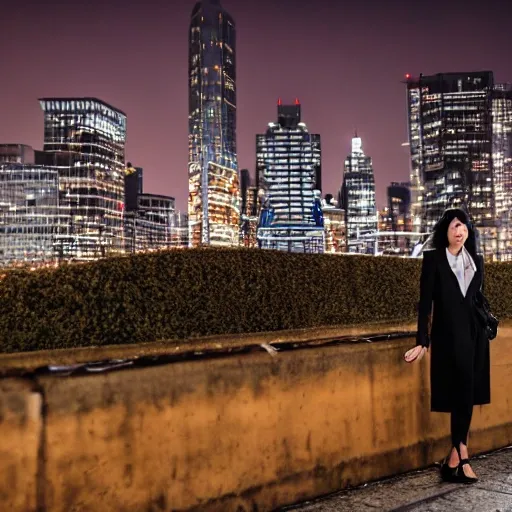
[(84, 140), (213, 203), (288, 171), (357, 198), (150, 221), (149, 227), (30, 218), (502, 170), (179, 230), (395, 219), (459, 137)]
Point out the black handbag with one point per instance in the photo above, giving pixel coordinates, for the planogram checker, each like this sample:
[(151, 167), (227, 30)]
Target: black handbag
[(487, 320)]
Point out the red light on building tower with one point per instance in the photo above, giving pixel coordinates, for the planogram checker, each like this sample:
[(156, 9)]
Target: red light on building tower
[(297, 101), (407, 76), (279, 102)]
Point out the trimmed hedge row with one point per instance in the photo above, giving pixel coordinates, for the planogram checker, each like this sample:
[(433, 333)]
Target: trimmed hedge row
[(198, 292)]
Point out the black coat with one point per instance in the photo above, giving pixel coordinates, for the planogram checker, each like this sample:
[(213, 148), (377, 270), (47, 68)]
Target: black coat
[(459, 370)]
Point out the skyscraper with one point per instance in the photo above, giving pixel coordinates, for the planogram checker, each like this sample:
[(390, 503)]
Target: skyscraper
[(30, 218), (84, 141), (357, 197), (460, 128), (288, 170), (502, 168), (213, 203)]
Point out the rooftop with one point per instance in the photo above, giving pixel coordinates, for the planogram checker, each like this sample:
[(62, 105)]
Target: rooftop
[(92, 100)]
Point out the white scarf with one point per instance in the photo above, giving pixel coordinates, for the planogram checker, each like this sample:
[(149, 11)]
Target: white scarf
[(463, 267)]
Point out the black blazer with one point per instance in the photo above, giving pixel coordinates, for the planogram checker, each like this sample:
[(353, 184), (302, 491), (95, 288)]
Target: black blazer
[(460, 366)]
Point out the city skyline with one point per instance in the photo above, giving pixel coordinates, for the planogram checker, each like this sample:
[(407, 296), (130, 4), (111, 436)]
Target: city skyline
[(146, 75)]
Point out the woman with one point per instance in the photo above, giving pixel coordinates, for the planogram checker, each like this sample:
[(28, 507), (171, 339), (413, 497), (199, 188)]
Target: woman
[(459, 375)]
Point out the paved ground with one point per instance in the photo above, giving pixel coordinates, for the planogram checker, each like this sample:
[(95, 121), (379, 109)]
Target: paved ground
[(423, 491)]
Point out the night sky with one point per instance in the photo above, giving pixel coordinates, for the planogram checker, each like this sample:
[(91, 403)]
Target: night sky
[(344, 61)]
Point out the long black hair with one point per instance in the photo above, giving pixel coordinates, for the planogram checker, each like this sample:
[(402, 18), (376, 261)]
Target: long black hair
[(440, 235)]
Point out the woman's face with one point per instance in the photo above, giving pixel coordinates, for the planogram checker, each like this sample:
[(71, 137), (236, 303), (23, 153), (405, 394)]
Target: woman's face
[(457, 233)]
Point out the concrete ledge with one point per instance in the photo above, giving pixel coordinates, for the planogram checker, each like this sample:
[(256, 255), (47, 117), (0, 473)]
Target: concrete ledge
[(28, 361)]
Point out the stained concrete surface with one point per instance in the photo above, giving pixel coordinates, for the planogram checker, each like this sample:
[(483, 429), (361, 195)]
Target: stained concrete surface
[(423, 491)]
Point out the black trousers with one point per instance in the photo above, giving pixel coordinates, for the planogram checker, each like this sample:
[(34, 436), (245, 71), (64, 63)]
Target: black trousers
[(460, 421)]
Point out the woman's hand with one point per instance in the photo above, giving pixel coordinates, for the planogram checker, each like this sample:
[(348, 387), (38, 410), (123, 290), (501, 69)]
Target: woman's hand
[(415, 354)]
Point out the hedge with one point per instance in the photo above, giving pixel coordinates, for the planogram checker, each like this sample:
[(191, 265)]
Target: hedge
[(198, 292)]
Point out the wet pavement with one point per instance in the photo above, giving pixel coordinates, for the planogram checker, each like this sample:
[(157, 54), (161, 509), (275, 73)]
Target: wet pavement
[(423, 491)]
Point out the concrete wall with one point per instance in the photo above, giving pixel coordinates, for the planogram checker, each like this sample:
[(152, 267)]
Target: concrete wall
[(241, 432), (20, 442)]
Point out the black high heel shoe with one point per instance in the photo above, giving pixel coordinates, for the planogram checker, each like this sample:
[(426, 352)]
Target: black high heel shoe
[(448, 474), (462, 478)]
